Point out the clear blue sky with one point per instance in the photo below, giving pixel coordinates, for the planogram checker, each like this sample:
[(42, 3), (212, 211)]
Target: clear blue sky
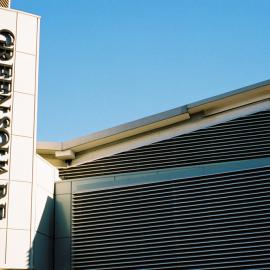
[(106, 62)]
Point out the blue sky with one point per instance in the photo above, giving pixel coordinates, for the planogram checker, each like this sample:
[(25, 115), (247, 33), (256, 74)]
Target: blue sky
[(106, 62)]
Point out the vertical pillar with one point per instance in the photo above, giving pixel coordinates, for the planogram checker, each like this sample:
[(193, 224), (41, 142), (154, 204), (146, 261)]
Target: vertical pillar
[(19, 43)]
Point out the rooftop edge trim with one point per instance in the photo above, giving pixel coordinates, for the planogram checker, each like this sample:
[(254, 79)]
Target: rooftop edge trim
[(152, 122)]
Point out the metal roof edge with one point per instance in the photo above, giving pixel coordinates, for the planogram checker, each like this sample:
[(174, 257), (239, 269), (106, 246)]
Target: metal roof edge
[(241, 90), (51, 146), (142, 122), (81, 142)]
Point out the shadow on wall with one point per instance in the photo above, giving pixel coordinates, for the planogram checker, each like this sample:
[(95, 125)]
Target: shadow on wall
[(41, 253)]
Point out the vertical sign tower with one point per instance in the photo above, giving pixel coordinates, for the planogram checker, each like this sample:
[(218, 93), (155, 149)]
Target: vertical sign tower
[(19, 36)]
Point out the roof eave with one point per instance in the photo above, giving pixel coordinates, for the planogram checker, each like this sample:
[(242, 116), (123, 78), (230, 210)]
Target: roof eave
[(216, 104)]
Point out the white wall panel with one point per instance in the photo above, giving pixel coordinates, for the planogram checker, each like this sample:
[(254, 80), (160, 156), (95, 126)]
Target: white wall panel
[(3, 200), (18, 248), (43, 203), (8, 20), (19, 210), (23, 114), (25, 76), (21, 159), (44, 212), (45, 174), (2, 246), (27, 33)]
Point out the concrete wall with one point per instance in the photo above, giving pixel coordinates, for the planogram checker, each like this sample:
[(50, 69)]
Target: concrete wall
[(43, 214), (16, 229)]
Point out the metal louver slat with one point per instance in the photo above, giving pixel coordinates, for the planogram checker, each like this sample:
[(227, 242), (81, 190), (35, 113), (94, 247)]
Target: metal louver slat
[(218, 221), (239, 139)]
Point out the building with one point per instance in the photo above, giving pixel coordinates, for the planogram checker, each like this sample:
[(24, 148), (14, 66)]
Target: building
[(183, 189)]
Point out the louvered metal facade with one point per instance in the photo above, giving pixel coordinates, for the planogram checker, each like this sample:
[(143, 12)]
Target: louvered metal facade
[(208, 219), (243, 138), (220, 221)]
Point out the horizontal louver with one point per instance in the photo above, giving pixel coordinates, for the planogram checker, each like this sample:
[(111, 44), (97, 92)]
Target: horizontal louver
[(243, 138), (218, 221)]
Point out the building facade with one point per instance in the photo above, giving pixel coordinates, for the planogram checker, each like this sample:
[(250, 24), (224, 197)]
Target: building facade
[(183, 189)]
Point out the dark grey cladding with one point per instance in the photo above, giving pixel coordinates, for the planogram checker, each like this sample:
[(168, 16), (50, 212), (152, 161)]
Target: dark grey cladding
[(218, 221), (240, 139)]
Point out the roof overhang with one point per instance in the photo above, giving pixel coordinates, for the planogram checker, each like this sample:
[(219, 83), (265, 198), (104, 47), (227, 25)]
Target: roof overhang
[(70, 149)]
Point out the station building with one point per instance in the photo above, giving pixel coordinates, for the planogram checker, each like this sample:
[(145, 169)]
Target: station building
[(183, 189)]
